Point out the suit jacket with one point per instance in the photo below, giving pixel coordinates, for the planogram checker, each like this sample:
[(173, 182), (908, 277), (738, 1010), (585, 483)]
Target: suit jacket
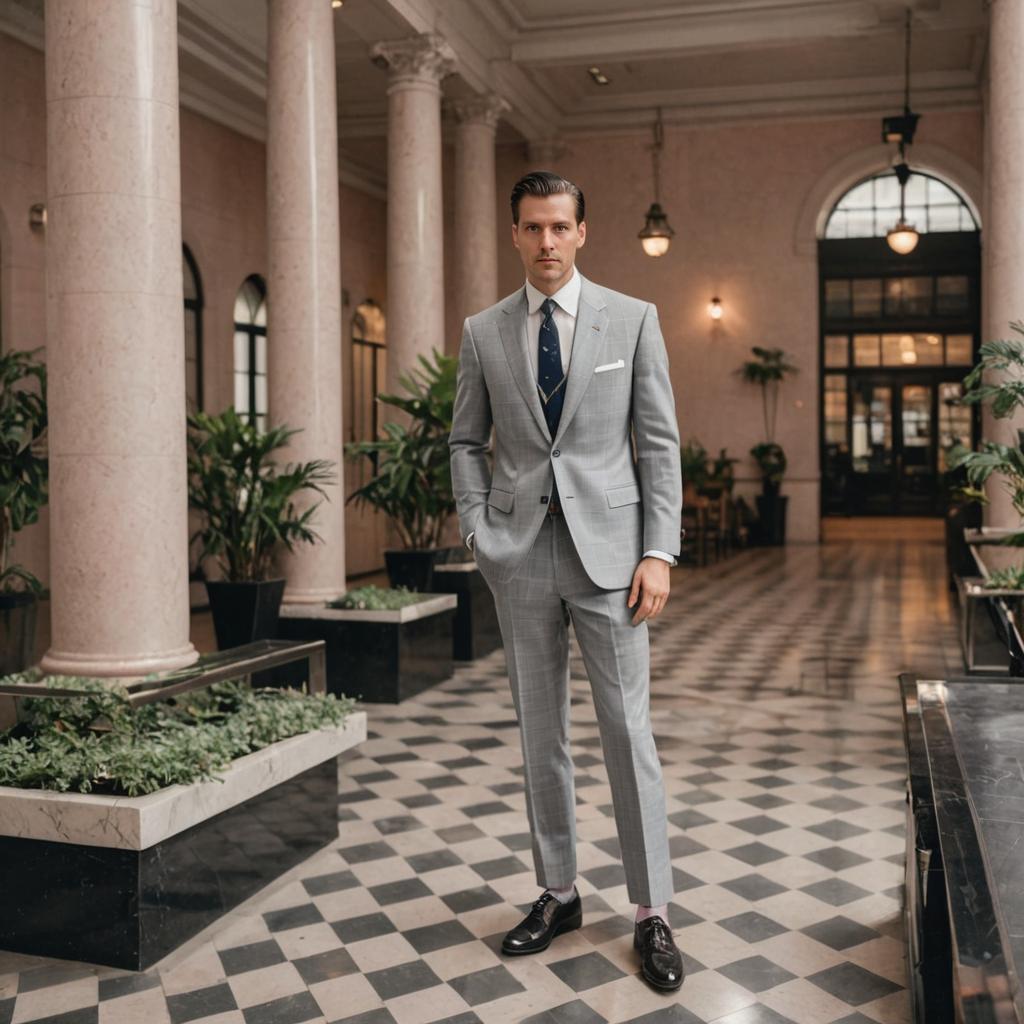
[(615, 455)]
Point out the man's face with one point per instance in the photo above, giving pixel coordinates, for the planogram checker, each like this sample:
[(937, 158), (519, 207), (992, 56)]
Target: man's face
[(547, 237)]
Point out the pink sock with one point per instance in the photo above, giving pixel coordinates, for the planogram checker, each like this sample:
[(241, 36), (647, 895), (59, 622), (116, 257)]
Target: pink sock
[(642, 913), (563, 895)]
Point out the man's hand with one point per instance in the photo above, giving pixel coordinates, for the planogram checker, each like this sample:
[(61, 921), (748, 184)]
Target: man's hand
[(651, 587)]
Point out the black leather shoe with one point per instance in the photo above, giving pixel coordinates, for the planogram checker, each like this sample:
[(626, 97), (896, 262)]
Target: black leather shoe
[(546, 919), (660, 961)]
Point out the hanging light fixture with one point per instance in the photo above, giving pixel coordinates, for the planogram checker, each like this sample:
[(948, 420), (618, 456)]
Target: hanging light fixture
[(715, 308), (656, 235), (903, 237)]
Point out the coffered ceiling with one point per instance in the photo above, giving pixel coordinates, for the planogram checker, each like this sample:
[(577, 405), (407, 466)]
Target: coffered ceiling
[(699, 60)]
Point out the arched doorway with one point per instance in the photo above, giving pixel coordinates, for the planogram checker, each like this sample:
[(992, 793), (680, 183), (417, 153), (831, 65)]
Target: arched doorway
[(897, 333)]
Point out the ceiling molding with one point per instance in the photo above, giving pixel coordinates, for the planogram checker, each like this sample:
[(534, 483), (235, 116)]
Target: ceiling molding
[(674, 34)]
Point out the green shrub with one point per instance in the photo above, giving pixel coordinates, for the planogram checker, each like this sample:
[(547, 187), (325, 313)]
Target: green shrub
[(379, 599), (101, 743)]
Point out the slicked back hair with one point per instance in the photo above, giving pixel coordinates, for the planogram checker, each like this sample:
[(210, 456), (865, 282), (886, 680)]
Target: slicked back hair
[(546, 183)]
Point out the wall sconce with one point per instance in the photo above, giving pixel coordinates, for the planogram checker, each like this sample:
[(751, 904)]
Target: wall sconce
[(336, 3), (715, 308), (37, 217)]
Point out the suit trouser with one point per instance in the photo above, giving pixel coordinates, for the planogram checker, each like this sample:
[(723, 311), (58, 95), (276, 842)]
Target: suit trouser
[(534, 610)]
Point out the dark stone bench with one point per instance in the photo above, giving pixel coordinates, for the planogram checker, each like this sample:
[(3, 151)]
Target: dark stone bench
[(965, 825)]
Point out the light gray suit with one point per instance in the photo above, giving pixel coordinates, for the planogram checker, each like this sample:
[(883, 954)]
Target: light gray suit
[(615, 457)]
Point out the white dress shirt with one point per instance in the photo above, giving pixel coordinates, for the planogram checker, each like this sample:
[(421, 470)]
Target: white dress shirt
[(567, 304)]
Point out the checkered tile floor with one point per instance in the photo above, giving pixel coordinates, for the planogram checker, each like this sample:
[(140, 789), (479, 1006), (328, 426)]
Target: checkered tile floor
[(775, 709)]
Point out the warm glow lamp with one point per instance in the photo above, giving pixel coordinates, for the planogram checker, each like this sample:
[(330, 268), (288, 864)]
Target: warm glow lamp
[(715, 308), (656, 235)]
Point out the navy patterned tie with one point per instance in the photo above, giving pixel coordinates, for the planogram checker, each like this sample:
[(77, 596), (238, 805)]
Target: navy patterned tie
[(550, 378)]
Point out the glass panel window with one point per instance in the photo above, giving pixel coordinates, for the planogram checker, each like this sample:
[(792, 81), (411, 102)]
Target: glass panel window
[(959, 350), (867, 297), (951, 294), (837, 350), (835, 408), (872, 428), (865, 350), (872, 207), (908, 296), (911, 350), (954, 421), (251, 351), (837, 299)]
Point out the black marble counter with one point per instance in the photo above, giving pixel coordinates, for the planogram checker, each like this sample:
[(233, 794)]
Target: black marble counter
[(973, 733)]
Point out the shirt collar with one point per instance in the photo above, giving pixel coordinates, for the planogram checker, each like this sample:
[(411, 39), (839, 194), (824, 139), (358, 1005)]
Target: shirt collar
[(567, 297)]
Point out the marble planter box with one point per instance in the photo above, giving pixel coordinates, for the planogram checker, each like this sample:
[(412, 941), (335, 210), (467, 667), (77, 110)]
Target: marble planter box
[(476, 631), (123, 881), (381, 657)]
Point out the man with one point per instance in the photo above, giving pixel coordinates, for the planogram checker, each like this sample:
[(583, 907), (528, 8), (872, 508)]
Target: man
[(572, 525)]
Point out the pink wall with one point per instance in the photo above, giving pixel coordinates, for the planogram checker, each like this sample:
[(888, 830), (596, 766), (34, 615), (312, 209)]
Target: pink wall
[(734, 195), (22, 250)]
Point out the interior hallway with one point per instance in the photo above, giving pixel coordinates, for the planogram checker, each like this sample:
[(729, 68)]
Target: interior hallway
[(775, 709)]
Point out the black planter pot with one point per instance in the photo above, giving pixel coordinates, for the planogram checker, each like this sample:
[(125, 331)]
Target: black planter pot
[(243, 612), (771, 512), (17, 631), (413, 568)]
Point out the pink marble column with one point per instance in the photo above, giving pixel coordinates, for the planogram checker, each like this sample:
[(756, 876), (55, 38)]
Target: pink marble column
[(1003, 231), (115, 342), (304, 282), (415, 230), (476, 230)]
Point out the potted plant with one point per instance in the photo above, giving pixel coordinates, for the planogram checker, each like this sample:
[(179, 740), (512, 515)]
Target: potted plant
[(1004, 395), (693, 459), (24, 476), (412, 483), (768, 369), (248, 512)]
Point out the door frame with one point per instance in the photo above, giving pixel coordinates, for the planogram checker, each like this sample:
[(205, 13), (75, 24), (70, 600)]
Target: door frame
[(937, 254)]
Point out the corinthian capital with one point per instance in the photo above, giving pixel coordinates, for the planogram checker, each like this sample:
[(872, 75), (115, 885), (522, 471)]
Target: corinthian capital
[(426, 58), (483, 109)]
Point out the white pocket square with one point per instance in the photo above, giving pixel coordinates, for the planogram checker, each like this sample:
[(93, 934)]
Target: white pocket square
[(617, 365)]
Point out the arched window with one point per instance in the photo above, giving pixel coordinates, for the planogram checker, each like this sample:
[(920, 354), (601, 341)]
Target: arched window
[(871, 208), (193, 331), (367, 376), (251, 351)]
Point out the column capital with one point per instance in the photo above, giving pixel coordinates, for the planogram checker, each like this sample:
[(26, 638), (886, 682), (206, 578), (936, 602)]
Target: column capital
[(545, 153), (423, 59), (484, 109)]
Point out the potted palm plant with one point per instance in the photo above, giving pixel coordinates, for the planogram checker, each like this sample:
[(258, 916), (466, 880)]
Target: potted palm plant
[(246, 501), (412, 482), (768, 369), (24, 475)]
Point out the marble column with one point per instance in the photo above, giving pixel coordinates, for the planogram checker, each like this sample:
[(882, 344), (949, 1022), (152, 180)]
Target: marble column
[(304, 280), (1003, 230), (115, 341), (476, 226), (415, 240)]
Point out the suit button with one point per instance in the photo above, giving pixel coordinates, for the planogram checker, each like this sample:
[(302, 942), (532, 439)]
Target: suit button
[(555, 454)]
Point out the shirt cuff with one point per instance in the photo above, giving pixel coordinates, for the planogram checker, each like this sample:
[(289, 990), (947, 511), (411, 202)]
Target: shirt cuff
[(664, 556)]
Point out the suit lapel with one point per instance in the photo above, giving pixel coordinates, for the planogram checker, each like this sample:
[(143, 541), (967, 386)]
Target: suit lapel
[(512, 327), (591, 323)]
